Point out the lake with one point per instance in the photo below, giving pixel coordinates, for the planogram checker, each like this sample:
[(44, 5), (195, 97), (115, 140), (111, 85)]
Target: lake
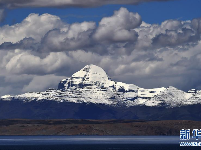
[(90, 143)]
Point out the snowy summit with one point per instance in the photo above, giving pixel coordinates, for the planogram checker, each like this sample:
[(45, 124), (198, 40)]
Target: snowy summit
[(92, 85)]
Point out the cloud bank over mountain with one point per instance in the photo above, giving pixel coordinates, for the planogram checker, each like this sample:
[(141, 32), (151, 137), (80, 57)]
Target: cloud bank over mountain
[(44, 47)]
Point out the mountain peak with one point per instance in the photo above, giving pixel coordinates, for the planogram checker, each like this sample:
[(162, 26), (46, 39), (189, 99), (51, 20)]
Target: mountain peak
[(87, 76), (91, 73), (92, 85), (90, 68)]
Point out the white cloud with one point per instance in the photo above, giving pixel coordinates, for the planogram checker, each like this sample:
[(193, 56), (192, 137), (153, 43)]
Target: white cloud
[(25, 62), (12, 84), (119, 34), (118, 28), (41, 83), (78, 35), (34, 26), (169, 33)]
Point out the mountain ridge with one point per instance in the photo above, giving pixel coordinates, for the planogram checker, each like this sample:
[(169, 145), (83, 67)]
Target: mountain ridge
[(92, 85)]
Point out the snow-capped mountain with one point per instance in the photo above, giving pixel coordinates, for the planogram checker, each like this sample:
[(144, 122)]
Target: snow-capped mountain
[(92, 85)]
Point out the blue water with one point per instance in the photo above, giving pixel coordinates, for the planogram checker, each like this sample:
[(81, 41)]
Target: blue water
[(90, 143)]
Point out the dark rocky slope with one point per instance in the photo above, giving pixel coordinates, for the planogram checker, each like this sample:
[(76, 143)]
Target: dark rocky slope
[(67, 110)]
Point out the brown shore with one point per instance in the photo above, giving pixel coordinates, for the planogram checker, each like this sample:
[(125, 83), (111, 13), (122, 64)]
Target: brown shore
[(95, 127)]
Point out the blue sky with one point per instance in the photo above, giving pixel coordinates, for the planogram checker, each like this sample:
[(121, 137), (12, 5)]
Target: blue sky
[(154, 12), (39, 50)]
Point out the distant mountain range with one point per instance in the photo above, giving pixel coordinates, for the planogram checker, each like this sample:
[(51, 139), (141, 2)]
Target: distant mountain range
[(91, 94)]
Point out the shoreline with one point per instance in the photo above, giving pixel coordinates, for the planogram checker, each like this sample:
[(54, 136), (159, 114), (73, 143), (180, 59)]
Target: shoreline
[(81, 127)]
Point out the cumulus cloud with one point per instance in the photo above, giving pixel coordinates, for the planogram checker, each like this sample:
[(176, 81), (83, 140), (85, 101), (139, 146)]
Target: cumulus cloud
[(48, 33), (120, 33), (118, 28), (13, 84), (39, 83), (169, 33), (33, 26), (172, 38), (25, 62), (68, 3), (26, 43), (78, 35), (16, 84)]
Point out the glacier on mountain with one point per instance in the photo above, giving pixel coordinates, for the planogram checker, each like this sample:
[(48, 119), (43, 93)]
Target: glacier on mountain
[(92, 85)]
